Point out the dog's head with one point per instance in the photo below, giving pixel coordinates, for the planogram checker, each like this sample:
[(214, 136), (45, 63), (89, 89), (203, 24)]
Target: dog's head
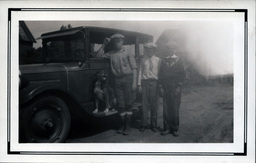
[(101, 75)]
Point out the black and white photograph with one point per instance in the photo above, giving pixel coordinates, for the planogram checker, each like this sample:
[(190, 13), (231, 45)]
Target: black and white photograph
[(120, 82), (73, 91)]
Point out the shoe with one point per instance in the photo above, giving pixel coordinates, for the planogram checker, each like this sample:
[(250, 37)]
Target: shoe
[(154, 129), (122, 121), (112, 109), (175, 133), (127, 130), (106, 110), (142, 128), (120, 130), (165, 132), (127, 127), (95, 111)]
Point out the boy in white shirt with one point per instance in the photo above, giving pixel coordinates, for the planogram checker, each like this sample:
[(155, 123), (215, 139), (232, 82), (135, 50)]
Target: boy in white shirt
[(148, 85)]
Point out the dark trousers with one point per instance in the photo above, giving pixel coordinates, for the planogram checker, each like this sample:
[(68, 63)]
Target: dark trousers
[(149, 102), (124, 94), (171, 105)]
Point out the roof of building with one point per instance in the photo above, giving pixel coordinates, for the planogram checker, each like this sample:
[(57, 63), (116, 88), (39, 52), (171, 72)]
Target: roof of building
[(24, 33)]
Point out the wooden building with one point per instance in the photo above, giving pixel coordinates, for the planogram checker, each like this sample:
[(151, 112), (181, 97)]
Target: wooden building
[(26, 41)]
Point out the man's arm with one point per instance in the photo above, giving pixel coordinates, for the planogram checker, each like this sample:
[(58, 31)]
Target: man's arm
[(182, 72), (134, 71), (160, 77), (181, 76), (134, 84), (160, 73), (100, 52), (140, 71)]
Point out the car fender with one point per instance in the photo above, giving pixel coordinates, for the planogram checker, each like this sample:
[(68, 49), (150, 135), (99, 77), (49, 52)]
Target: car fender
[(29, 94)]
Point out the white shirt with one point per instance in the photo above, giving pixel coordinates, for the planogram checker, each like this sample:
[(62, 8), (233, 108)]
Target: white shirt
[(149, 68), (174, 59)]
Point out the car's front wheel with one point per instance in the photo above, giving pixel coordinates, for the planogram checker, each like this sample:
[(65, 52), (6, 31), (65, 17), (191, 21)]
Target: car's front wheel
[(47, 120)]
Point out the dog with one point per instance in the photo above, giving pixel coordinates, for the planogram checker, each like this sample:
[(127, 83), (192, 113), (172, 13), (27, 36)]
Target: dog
[(103, 92)]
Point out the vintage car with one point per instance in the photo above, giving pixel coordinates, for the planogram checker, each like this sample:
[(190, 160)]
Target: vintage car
[(62, 85)]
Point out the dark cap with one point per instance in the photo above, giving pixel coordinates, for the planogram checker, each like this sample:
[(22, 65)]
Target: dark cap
[(115, 36)]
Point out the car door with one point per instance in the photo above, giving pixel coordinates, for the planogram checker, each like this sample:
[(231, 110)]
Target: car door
[(81, 81)]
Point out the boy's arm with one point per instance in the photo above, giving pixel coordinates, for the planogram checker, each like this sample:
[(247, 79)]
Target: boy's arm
[(182, 72), (100, 52), (140, 73), (160, 73), (134, 84), (134, 71)]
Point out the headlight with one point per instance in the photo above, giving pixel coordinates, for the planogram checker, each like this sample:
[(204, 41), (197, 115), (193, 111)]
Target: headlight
[(23, 82)]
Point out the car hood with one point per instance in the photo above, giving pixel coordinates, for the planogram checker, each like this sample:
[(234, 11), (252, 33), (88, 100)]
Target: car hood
[(42, 68)]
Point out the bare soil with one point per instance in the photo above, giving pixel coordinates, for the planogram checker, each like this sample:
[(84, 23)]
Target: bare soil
[(206, 116)]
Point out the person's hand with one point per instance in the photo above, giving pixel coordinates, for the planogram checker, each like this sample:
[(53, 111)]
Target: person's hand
[(134, 87), (161, 92), (177, 90), (140, 88), (114, 101), (106, 41)]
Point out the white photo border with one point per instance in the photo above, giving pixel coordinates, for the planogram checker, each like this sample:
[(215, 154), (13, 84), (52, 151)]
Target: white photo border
[(32, 151)]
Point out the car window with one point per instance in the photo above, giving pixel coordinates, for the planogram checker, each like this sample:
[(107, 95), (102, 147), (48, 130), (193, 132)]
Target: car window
[(65, 50), (94, 49)]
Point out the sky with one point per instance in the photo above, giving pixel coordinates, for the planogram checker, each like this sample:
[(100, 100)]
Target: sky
[(209, 44)]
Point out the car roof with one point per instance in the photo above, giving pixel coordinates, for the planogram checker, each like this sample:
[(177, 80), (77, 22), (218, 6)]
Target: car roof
[(98, 34)]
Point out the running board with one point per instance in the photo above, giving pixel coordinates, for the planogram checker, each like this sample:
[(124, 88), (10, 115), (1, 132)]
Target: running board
[(135, 108), (103, 114)]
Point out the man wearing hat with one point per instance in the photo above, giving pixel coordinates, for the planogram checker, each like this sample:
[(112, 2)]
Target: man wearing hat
[(124, 70), (148, 85), (171, 76)]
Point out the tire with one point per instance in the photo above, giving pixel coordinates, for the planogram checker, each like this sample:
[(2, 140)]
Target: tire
[(47, 120)]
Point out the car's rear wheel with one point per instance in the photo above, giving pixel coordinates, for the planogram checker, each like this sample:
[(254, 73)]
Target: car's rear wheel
[(46, 120)]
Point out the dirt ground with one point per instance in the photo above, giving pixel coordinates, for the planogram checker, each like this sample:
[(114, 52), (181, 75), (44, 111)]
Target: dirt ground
[(206, 116)]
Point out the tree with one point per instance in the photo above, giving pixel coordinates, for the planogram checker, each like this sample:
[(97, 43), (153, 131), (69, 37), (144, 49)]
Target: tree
[(69, 26), (63, 27), (34, 56)]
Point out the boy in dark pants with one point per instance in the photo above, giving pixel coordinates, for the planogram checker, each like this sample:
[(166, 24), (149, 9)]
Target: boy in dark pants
[(124, 71), (171, 76), (148, 85)]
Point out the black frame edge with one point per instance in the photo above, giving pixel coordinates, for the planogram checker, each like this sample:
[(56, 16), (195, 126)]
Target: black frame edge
[(9, 151), (245, 151), (123, 10), (10, 10), (245, 13)]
